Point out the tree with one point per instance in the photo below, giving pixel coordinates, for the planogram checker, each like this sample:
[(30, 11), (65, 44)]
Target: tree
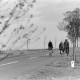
[(71, 24), (18, 21)]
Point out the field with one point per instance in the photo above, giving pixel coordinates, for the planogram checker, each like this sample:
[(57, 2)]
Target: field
[(56, 68)]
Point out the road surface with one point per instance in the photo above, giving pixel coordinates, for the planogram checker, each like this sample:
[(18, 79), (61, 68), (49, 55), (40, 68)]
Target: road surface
[(20, 65)]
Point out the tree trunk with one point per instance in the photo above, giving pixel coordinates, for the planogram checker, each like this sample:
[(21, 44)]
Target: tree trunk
[(77, 41)]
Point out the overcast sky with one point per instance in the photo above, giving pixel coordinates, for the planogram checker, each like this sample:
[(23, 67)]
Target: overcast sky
[(48, 13)]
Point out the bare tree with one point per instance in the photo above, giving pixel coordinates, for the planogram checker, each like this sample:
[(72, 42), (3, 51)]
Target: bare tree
[(17, 14)]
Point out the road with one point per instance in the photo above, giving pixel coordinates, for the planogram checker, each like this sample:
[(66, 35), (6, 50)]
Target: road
[(17, 66)]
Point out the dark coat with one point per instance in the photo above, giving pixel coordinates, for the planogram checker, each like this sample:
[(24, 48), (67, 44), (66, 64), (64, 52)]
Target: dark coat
[(50, 45), (61, 46), (66, 45)]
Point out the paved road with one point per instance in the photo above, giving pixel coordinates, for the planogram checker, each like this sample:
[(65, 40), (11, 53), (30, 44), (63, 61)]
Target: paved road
[(16, 66)]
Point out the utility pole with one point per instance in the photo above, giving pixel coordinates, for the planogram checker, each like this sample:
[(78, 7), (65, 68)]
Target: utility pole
[(55, 42), (44, 41), (28, 43)]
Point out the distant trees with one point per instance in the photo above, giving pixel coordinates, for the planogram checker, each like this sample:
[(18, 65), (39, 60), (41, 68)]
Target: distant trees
[(71, 24)]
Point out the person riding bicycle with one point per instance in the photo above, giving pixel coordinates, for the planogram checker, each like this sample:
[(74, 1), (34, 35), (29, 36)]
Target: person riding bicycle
[(61, 47), (66, 46), (50, 47)]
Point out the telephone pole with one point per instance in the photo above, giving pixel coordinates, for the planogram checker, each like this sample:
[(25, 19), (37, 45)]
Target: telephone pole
[(28, 40), (55, 41), (44, 41)]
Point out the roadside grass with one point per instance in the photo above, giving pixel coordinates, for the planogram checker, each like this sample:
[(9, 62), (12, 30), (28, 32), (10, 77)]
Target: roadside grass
[(58, 68)]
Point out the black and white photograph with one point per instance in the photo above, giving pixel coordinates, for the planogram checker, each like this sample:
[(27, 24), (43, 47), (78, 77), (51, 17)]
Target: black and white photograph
[(39, 39)]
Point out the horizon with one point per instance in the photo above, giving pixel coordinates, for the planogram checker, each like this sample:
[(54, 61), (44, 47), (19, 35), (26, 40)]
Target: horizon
[(49, 13), (46, 16)]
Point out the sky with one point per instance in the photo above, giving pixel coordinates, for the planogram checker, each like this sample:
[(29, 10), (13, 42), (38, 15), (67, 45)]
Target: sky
[(48, 13)]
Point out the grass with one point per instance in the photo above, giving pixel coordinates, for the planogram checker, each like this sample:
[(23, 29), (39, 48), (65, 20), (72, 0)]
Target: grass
[(59, 69)]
